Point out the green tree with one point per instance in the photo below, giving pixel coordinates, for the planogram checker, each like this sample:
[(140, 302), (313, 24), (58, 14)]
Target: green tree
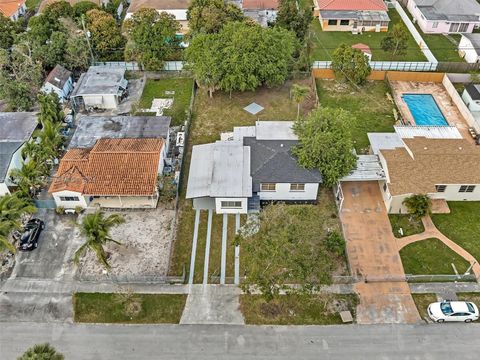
[(96, 227), (50, 108), (396, 40), (41, 28), (41, 352), (53, 52), (106, 37), (298, 93), (58, 9), (82, 7), (209, 16), (17, 94), (8, 30), (50, 140), (292, 17), (29, 178), (77, 54), (418, 205), (152, 38), (325, 144), (350, 64)]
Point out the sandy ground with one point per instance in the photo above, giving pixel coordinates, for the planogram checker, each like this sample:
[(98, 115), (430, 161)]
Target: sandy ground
[(146, 239)]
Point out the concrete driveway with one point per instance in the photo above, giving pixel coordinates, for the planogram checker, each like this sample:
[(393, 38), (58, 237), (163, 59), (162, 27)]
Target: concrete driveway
[(373, 254)]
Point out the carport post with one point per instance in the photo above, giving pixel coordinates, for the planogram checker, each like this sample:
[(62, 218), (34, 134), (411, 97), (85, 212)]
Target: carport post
[(223, 264), (194, 247), (237, 251), (207, 247)]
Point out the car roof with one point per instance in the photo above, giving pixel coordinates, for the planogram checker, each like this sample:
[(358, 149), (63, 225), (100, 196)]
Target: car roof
[(459, 306)]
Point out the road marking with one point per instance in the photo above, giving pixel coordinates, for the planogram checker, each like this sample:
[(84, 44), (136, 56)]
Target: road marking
[(194, 247), (207, 246), (223, 264)]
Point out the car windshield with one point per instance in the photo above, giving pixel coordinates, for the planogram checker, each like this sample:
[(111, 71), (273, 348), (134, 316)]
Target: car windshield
[(470, 307), (446, 308)]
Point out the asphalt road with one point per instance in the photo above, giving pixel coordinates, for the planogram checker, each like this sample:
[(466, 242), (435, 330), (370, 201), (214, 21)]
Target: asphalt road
[(99, 342)]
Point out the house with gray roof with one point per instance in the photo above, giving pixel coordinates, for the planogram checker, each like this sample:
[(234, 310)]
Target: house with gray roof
[(58, 81), (251, 165), (16, 129), (445, 16), (469, 48)]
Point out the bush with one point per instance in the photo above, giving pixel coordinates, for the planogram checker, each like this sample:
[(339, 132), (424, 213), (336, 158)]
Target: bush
[(78, 209), (60, 210), (418, 205), (335, 243)]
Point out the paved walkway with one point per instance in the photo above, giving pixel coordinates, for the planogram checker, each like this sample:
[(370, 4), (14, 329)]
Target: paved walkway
[(431, 231), (372, 253)]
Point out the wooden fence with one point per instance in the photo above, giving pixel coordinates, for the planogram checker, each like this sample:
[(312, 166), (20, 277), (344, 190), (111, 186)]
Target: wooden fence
[(391, 75)]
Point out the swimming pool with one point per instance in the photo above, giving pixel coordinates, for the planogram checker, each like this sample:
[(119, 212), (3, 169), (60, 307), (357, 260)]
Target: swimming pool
[(424, 110)]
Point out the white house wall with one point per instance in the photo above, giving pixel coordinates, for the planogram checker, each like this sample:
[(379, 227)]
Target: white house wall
[(69, 204), (283, 193), (466, 50), (242, 210), (107, 101), (15, 163), (4, 189), (451, 193), (471, 104)]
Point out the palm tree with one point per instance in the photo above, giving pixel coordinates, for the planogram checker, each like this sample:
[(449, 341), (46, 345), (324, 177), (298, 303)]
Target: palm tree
[(29, 178), (95, 227), (5, 228), (41, 351), (50, 139), (299, 93)]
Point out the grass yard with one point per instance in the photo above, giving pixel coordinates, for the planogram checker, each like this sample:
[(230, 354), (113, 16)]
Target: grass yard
[(158, 88), (462, 225), (409, 225), (325, 42), (319, 309), (470, 296), (431, 257), (369, 106), (212, 116), (128, 308), (32, 4), (422, 301)]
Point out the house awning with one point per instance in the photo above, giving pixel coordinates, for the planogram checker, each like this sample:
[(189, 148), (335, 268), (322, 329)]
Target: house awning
[(368, 168)]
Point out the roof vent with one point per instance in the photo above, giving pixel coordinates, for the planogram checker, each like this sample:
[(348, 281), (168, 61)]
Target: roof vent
[(460, 148), (281, 145), (425, 148)]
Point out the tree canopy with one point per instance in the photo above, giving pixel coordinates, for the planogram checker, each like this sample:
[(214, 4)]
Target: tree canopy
[(152, 38), (396, 40), (325, 144), (350, 64), (209, 16), (418, 205), (292, 17), (241, 57), (106, 37)]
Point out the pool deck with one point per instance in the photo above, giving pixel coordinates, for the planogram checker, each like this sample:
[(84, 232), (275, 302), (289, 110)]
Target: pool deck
[(444, 102)]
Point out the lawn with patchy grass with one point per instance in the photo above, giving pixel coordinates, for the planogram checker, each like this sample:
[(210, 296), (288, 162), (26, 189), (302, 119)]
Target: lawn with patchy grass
[(159, 88), (32, 4), (369, 106), (320, 309), (422, 301), (211, 117), (469, 296), (409, 225), (431, 257), (462, 225), (325, 42), (128, 308)]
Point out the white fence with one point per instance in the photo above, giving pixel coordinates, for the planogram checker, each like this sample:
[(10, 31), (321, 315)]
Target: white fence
[(169, 65), (388, 65)]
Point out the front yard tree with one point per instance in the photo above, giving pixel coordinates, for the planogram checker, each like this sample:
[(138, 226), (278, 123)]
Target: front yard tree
[(96, 227), (325, 144), (396, 40), (41, 352), (350, 64), (294, 18), (209, 16), (50, 108), (298, 94), (418, 205), (152, 38), (8, 30), (106, 37)]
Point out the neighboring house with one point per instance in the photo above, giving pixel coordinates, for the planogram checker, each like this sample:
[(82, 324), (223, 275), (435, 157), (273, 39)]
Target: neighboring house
[(177, 8), (445, 16), (348, 15), (469, 48), (262, 12), (89, 129), (471, 97), (365, 49), (16, 130), (100, 87), (60, 82), (435, 161), (115, 173), (13, 9), (252, 165)]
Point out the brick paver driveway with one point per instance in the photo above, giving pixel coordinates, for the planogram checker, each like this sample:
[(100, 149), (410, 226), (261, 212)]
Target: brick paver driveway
[(372, 253)]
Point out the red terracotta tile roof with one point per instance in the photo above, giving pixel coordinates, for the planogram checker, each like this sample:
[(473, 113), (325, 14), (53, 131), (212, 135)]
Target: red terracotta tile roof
[(362, 47), (372, 5), (260, 4), (10, 7), (124, 167)]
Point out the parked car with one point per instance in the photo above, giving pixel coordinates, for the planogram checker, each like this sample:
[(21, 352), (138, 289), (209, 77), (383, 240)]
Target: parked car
[(453, 311), (29, 237)]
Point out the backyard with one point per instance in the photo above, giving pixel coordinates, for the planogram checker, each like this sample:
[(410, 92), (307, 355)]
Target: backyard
[(325, 42), (462, 225), (370, 108)]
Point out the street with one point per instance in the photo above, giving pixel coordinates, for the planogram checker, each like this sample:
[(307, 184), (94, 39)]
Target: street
[(447, 341)]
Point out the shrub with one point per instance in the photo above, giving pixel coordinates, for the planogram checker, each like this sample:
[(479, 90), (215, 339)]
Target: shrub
[(418, 205), (335, 243), (59, 210)]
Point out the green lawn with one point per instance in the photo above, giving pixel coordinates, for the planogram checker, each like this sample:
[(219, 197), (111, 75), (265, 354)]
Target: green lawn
[(470, 296), (370, 109), (422, 301), (431, 257), (158, 88), (325, 42), (409, 225), (296, 309), (128, 308), (32, 4), (462, 225)]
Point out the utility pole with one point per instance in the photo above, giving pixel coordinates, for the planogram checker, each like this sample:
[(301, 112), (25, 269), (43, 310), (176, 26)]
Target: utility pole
[(87, 37)]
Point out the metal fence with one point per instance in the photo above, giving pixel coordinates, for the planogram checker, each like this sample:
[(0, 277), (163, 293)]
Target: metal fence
[(388, 65), (169, 65)]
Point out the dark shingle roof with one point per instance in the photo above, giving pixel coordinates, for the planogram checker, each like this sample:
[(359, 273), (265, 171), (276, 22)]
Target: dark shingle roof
[(273, 161), (58, 76), (473, 91)]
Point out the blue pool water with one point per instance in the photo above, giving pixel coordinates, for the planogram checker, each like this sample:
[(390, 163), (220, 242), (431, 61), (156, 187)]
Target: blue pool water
[(425, 110)]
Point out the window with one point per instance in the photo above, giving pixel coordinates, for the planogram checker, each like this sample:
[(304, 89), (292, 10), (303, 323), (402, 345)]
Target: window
[(435, 25), (69, 198), (344, 22), (463, 27), (268, 187), (440, 188), (466, 188), (297, 187), (332, 22), (231, 204)]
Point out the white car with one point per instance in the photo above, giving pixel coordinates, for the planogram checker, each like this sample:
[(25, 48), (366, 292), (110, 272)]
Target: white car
[(453, 311)]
